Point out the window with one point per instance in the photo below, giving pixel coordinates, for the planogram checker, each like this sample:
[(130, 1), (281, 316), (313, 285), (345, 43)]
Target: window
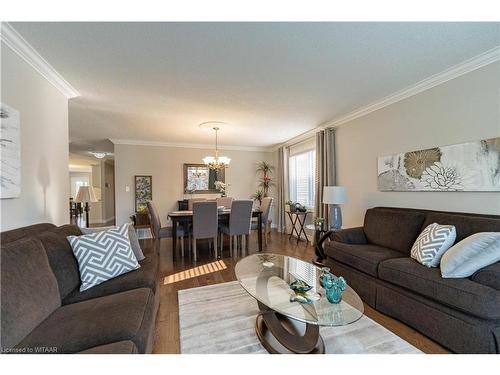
[(301, 174)]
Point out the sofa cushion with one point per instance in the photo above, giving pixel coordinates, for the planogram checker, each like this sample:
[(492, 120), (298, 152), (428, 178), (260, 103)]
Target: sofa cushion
[(99, 321), (465, 224), (365, 258), (432, 243), (61, 257), (29, 291), (132, 236), (489, 276), (350, 235), (461, 294), (120, 347), (394, 229), (144, 277), (471, 254), (103, 256), (24, 232)]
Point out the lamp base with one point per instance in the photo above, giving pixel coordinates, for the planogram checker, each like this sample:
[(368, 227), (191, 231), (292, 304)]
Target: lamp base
[(335, 217), (87, 209)]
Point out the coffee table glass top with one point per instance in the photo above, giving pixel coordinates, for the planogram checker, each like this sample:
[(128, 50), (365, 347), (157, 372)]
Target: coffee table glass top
[(267, 277)]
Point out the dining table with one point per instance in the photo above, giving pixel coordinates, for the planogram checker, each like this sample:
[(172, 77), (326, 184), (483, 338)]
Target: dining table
[(185, 217)]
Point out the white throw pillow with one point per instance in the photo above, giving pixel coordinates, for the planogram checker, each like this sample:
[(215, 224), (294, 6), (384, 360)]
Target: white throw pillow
[(132, 236), (432, 243), (103, 255), (471, 254)]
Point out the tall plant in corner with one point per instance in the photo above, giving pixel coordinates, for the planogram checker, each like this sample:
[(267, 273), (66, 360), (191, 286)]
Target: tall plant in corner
[(265, 181)]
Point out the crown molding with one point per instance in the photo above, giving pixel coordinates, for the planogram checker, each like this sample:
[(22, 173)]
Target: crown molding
[(135, 142), (453, 72), (23, 49)]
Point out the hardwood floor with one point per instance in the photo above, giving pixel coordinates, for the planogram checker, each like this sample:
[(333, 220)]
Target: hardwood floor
[(167, 326)]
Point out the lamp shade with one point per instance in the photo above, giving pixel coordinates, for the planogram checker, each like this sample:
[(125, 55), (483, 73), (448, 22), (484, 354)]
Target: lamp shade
[(334, 195), (85, 194)]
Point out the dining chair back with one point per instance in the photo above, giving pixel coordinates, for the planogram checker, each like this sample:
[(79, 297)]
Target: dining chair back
[(225, 201), (154, 220), (265, 207), (205, 223), (157, 231), (192, 200), (240, 218), (239, 224)]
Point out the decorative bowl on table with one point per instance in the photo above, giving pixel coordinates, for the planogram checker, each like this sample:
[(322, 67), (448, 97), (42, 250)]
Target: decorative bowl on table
[(299, 286)]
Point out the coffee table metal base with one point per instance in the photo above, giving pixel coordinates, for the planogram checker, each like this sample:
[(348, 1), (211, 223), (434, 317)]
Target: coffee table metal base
[(281, 335)]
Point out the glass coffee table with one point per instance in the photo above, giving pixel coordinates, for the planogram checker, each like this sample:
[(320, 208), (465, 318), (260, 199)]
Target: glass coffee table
[(291, 327)]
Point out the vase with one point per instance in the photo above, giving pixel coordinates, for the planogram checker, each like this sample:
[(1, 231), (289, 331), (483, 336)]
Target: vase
[(334, 293), (334, 287)]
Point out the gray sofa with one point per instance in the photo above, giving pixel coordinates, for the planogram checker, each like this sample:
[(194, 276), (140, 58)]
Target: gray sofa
[(43, 310), (461, 314)]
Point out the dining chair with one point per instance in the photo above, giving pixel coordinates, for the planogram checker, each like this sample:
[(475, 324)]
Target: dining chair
[(224, 201), (158, 231), (239, 224), (265, 207), (192, 200), (205, 224)]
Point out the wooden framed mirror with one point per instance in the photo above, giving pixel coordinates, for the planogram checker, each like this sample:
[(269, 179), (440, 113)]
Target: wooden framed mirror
[(199, 179)]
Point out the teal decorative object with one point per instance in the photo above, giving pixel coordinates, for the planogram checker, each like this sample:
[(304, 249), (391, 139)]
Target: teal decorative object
[(300, 288), (301, 298), (334, 287)]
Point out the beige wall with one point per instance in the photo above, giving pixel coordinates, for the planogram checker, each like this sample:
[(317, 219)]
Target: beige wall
[(165, 164), (464, 109), (108, 191), (44, 145)]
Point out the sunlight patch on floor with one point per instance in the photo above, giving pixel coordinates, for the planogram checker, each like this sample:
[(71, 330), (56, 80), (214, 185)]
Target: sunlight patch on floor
[(195, 272)]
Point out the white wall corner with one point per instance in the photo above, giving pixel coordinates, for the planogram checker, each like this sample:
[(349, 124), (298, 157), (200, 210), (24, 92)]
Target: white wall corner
[(21, 47)]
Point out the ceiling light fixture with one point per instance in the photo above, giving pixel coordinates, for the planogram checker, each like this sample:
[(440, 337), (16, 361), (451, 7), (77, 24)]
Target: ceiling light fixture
[(216, 162), (99, 155)]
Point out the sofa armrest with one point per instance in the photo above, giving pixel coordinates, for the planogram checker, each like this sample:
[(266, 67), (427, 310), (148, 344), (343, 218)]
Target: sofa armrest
[(353, 236), (489, 276)]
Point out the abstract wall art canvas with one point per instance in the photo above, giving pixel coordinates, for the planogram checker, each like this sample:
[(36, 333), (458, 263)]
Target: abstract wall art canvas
[(10, 142), (471, 166), (143, 192)]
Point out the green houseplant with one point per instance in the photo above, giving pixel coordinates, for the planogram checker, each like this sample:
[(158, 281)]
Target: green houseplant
[(265, 181), (258, 195)]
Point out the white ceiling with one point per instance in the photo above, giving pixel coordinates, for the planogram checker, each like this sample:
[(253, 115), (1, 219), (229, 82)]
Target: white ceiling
[(270, 81)]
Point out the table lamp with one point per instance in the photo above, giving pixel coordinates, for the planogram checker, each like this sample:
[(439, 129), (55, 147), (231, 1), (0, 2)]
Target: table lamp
[(85, 195), (335, 196)]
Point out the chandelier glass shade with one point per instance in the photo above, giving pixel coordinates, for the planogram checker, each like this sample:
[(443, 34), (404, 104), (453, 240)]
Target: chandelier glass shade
[(216, 162)]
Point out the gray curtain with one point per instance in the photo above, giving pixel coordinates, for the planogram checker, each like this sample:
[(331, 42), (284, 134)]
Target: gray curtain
[(282, 187), (325, 169)]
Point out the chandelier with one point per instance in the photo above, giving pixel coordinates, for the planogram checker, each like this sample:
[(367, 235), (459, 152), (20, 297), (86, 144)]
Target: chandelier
[(216, 162)]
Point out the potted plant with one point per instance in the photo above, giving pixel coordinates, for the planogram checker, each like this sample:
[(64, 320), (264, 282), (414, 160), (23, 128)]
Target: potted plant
[(258, 195), (319, 223), (291, 206), (265, 181)]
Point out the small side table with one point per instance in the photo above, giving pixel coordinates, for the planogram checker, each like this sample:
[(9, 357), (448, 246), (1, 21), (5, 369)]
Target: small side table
[(300, 219), (320, 235)]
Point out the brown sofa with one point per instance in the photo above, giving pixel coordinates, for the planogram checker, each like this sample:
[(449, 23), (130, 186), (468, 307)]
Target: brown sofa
[(43, 310), (461, 314)]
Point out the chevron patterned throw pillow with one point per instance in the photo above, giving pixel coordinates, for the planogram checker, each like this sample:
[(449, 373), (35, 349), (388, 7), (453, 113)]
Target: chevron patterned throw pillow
[(432, 243), (103, 255)]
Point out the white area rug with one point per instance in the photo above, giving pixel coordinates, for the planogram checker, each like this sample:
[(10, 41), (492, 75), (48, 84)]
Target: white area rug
[(220, 319)]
